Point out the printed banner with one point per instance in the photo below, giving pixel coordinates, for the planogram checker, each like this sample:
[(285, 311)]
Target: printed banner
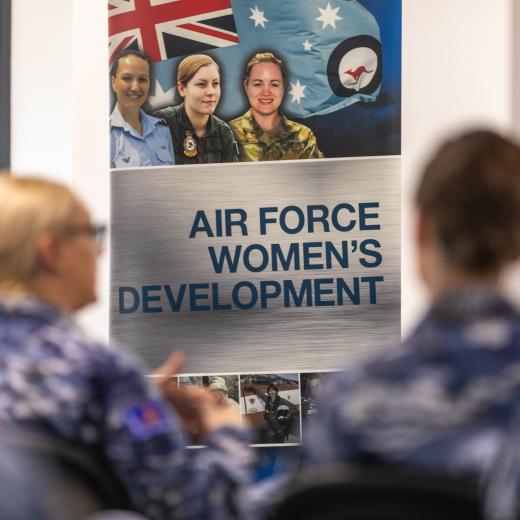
[(270, 275), (342, 61), (262, 267)]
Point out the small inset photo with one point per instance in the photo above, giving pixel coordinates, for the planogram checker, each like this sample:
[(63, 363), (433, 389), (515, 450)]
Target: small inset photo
[(223, 388), (271, 403), (312, 386)]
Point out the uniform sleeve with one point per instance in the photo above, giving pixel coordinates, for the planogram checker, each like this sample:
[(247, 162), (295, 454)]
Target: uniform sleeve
[(167, 117), (502, 490), (113, 139), (143, 443), (311, 150), (169, 139)]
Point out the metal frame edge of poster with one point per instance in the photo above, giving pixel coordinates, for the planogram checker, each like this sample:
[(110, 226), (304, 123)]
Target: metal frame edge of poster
[(5, 84)]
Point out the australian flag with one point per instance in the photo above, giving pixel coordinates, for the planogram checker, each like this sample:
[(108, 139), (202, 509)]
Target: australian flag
[(166, 29), (331, 48)]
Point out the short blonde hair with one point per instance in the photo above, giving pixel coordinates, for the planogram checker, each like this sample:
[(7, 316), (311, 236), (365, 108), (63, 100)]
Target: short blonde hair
[(28, 208), (190, 65)]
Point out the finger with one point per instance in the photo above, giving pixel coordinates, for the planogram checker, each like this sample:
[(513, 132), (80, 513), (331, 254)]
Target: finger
[(173, 365)]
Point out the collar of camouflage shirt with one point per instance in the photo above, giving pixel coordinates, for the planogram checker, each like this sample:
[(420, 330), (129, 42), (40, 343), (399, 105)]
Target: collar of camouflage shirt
[(279, 134)]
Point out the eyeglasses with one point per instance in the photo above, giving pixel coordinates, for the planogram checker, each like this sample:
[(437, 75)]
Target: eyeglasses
[(96, 231)]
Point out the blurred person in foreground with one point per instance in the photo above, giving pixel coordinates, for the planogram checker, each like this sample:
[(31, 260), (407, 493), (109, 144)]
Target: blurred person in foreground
[(55, 380), (443, 401)]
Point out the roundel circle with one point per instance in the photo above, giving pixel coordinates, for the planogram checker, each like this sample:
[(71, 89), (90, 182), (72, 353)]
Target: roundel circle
[(355, 66)]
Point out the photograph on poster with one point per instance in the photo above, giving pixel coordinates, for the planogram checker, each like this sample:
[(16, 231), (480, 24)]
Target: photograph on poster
[(223, 388), (271, 403), (298, 80), (260, 266), (312, 384)]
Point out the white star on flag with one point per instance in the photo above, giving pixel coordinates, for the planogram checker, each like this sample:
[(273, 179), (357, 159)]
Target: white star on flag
[(297, 91), (161, 98), (258, 17), (329, 16), (307, 45)]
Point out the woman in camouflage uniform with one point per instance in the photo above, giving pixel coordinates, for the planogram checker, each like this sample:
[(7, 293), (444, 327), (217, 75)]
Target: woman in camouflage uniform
[(263, 133)]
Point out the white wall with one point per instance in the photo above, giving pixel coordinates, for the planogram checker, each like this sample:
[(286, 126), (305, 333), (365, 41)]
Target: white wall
[(59, 109), (457, 71), (41, 93), (91, 150)]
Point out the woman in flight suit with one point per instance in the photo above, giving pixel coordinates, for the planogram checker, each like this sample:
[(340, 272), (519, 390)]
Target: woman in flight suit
[(197, 134)]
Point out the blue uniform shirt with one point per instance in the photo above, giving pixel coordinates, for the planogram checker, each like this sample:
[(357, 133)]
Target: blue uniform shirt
[(129, 149), (443, 401), (54, 380)]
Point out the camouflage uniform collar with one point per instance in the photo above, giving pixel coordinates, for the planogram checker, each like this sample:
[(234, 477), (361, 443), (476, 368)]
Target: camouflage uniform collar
[(470, 304), (285, 127), (283, 131), (184, 120), (30, 306)]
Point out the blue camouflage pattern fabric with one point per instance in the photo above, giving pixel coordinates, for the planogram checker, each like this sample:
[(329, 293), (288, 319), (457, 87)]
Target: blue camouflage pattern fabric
[(55, 380), (503, 491), (442, 402)]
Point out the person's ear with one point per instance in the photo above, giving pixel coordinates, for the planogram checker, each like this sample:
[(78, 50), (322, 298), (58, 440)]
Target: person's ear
[(245, 85), (181, 89), (423, 230), (113, 80), (48, 250)]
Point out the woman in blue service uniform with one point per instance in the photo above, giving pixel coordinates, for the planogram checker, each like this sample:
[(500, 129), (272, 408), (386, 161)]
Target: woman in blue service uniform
[(199, 136), (136, 138), (443, 402)]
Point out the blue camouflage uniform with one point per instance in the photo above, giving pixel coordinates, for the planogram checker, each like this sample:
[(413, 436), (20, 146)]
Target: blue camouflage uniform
[(20, 496), (54, 380), (503, 491), (129, 149), (441, 402)]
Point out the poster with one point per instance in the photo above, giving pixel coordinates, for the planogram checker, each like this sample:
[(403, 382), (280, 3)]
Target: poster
[(268, 273)]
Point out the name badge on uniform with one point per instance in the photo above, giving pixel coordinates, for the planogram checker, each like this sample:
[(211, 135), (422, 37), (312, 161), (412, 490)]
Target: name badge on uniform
[(189, 145)]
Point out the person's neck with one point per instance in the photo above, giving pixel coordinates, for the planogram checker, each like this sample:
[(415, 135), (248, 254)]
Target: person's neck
[(268, 123), (453, 280), (198, 121), (132, 117), (52, 294)]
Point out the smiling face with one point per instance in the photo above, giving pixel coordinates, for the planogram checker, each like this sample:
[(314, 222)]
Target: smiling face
[(131, 83), (202, 92), (265, 88)]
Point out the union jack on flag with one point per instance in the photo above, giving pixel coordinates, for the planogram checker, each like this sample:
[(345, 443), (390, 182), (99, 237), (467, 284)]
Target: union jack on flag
[(164, 29)]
